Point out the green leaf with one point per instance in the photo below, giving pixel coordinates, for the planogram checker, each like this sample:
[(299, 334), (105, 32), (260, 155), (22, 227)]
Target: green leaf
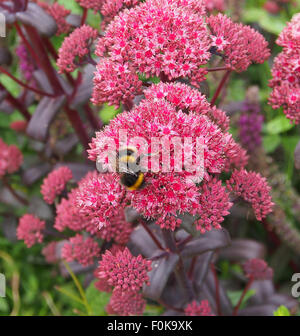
[(234, 297), (272, 24), (4, 305), (107, 113), (278, 125), (282, 311), (97, 300), (271, 142)]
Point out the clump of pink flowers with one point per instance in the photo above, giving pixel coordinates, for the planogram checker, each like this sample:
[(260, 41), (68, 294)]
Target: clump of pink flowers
[(254, 189), (76, 48), (286, 72), (31, 230), (81, 249), (11, 158), (258, 269), (124, 271), (198, 309), (55, 183)]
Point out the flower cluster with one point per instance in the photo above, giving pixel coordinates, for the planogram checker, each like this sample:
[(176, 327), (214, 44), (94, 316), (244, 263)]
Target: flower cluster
[(30, 229), (126, 303), (81, 249), (254, 189), (127, 274), (286, 72), (158, 37), (49, 252), (198, 309), (11, 158), (241, 45), (218, 5), (76, 48), (124, 271), (55, 183), (171, 111), (258, 269)]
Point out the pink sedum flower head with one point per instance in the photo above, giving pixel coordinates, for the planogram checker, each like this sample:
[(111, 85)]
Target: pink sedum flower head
[(198, 309), (91, 4), (215, 205), (258, 269), (68, 214), (253, 188), (240, 44), (11, 158), (127, 303), (114, 83), (218, 5), (99, 197), (286, 72), (167, 193), (49, 252), (81, 249), (30, 229), (124, 271), (76, 48), (158, 37), (55, 183)]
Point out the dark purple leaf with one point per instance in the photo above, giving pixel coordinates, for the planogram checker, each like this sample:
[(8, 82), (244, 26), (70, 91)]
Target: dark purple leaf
[(201, 268), (243, 249), (79, 170), (5, 56), (33, 174), (74, 20), (84, 91), (161, 270), (141, 242), (36, 17), (9, 228), (209, 289), (45, 113), (297, 156), (40, 209), (260, 310), (209, 241), (131, 215)]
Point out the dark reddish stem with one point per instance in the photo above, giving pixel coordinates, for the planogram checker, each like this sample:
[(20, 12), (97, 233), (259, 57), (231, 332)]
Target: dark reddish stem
[(94, 121), (43, 60), (84, 16), (217, 69), (151, 234), (192, 267), (14, 193), (237, 307), (42, 93), (217, 285), (220, 87), (78, 126), (16, 103)]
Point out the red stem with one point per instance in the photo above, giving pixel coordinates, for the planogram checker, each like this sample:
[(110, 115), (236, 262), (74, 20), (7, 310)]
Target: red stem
[(43, 60), (84, 16), (217, 69), (237, 307), (42, 93), (156, 241), (95, 122), (78, 126), (217, 285), (220, 87)]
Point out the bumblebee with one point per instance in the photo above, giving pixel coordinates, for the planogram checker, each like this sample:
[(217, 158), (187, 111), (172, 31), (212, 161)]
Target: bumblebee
[(131, 175)]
